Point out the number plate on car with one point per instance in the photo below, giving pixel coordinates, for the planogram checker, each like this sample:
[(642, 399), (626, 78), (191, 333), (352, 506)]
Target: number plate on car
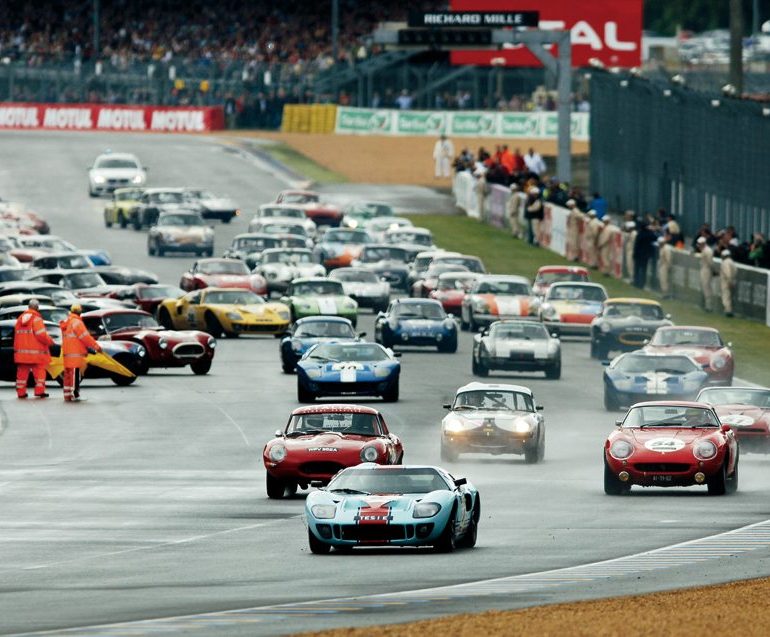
[(662, 478)]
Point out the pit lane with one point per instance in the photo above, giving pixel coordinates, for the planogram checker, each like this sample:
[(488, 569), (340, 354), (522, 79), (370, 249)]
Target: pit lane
[(148, 501)]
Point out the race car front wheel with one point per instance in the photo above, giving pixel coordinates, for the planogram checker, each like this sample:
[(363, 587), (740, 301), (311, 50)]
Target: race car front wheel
[(316, 546), (276, 489), (612, 485)]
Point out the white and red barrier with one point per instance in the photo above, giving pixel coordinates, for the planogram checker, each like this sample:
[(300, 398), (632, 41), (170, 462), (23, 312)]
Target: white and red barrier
[(111, 117)]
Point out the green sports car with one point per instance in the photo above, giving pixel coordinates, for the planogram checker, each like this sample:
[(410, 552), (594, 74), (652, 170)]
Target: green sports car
[(319, 296)]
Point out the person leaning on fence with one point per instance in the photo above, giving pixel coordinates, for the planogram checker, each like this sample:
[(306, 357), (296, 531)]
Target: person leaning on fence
[(706, 271), (629, 236), (728, 273), (31, 343), (665, 261), (592, 231), (604, 245), (533, 214)]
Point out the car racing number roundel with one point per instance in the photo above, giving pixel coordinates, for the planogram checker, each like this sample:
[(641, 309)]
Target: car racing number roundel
[(664, 445)]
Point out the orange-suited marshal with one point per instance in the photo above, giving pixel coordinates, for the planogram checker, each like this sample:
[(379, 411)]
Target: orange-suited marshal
[(30, 350), (76, 343)]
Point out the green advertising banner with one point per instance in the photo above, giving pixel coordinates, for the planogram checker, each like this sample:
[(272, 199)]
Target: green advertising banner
[(521, 125), (420, 122), (364, 121), (476, 124)]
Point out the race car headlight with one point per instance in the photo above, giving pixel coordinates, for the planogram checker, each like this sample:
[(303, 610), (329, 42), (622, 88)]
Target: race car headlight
[(369, 454), (704, 450), (718, 360), (349, 304), (277, 453), (212, 342), (381, 372), (549, 311), (605, 327), (481, 306), (522, 426), (138, 179), (234, 316), (426, 509), (621, 449), (98, 179), (163, 343), (352, 223), (453, 425), (323, 511), (140, 351), (314, 373), (284, 315)]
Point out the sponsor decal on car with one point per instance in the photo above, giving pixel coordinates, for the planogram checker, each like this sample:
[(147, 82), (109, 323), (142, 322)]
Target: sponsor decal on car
[(324, 449)]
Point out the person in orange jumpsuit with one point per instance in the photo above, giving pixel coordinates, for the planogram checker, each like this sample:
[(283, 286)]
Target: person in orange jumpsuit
[(76, 343), (30, 350)]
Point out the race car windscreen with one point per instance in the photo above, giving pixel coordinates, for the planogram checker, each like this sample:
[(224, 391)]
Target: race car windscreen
[(283, 228), (114, 162), (670, 416), (317, 288), (126, 320), (73, 262), (429, 311), (255, 243), (150, 292), (348, 352), (698, 338), (180, 220), (344, 423), (547, 278), (82, 280), (576, 293), (373, 255), (474, 265), (223, 267), (407, 236), (371, 209), (355, 276), (324, 329), (289, 257), (300, 197), (639, 310), (520, 330), (232, 297), (491, 400), (731, 396), (636, 364), (167, 197), (346, 236), (507, 288), (390, 480)]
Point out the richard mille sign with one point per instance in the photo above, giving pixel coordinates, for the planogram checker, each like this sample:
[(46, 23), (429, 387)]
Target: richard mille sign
[(481, 19)]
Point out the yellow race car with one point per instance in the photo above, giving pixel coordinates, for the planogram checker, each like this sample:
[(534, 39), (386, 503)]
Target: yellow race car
[(228, 311), (119, 209)]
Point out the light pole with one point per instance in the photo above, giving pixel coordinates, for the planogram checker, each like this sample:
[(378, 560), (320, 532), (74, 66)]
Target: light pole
[(335, 29)]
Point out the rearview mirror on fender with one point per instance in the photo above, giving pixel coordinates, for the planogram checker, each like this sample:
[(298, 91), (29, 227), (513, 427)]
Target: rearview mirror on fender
[(461, 482)]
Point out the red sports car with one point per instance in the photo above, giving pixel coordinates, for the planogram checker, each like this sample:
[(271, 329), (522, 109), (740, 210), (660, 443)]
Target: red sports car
[(222, 273), (165, 348), (321, 440), (704, 344), (323, 214), (671, 444), (549, 274), (451, 289), (147, 296), (746, 410), (423, 286)]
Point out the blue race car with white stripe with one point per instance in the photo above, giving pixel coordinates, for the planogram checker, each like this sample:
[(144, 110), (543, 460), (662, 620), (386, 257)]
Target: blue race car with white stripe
[(375, 505), (416, 322), (311, 330), (348, 369)]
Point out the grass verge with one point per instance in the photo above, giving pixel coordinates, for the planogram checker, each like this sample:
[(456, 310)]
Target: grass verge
[(302, 164), (504, 254)]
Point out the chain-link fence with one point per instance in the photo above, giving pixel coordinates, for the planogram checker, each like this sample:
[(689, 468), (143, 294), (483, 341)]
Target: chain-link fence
[(702, 156)]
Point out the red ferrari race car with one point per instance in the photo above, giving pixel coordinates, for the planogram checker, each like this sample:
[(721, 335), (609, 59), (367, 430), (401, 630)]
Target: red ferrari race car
[(165, 348), (322, 214), (451, 289), (671, 444), (222, 273), (704, 344), (746, 410), (321, 440), (550, 274)]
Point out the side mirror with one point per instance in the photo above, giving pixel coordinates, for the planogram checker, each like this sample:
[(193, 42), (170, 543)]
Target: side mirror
[(397, 354), (539, 408), (667, 317), (554, 334), (646, 341), (461, 482), (361, 334), (726, 428), (284, 299), (706, 365), (447, 405), (618, 423), (278, 433), (380, 314), (606, 362)]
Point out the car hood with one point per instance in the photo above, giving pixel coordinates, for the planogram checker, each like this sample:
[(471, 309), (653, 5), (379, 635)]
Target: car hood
[(700, 354), (257, 309), (420, 324), (325, 303), (503, 419), (658, 439), (191, 233), (387, 503), (327, 445), (220, 203), (743, 415), (173, 336), (503, 347), (578, 306), (507, 305), (627, 322), (227, 280), (363, 289), (116, 173)]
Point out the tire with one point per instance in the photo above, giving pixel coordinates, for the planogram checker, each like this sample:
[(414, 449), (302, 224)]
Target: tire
[(533, 454), (732, 482), (446, 543), (137, 223), (276, 489), (209, 252), (122, 220), (226, 219), (613, 486), (448, 454), (161, 250), (91, 193), (287, 368), (316, 546), (150, 249), (303, 395), (463, 323), (164, 318), (601, 352), (201, 367), (448, 347), (391, 395), (119, 379), (468, 541), (554, 371), (481, 369), (213, 326), (610, 400), (717, 484), (472, 326), (107, 222)]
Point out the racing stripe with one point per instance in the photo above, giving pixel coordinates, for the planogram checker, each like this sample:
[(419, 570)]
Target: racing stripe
[(491, 301), (378, 514)]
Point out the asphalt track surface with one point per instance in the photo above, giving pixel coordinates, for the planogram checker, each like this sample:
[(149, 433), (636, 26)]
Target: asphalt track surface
[(148, 502)]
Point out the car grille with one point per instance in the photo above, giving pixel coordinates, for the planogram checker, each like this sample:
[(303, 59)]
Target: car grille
[(376, 532), (320, 468), (188, 350), (662, 467), (522, 356), (633, 338), (350, 388), (118, 182)]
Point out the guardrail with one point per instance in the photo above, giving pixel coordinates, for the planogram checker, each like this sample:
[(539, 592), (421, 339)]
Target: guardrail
[(489, 203)]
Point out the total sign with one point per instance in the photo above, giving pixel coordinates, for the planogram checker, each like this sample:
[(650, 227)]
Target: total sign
[(608, 30)]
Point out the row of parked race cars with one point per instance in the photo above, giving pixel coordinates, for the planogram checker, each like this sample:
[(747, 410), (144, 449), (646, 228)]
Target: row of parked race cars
[(306, 287)]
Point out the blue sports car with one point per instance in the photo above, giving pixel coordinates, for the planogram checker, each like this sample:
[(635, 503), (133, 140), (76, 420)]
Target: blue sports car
[(348, 369), (308, 331), (637, 376), (375, 505), (416, 322)]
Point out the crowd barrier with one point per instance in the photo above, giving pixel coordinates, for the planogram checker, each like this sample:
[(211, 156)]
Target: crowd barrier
[(111, 117), (509, 125), (750, 296), (309, 118)]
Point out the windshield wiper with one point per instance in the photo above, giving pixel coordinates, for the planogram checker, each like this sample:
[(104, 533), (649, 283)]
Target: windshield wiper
[(466, 407), (324, 358), (307, 432), (662, 423), (351, 491)]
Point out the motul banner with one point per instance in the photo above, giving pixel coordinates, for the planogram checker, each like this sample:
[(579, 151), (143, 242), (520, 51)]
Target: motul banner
[(609, 30), (111, 117)]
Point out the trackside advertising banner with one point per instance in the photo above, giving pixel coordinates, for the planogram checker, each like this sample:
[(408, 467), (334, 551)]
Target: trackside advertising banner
[(539, 125), (110, 117)]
